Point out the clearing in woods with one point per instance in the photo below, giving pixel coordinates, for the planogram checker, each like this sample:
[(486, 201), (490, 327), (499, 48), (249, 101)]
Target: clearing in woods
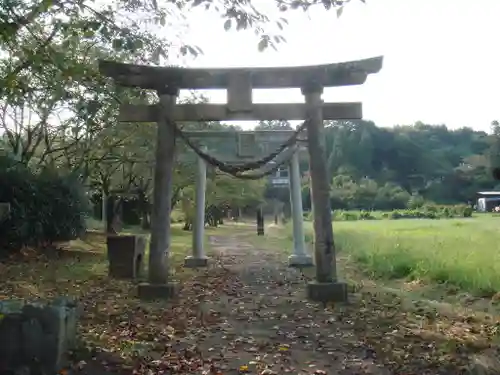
[(247, 314)]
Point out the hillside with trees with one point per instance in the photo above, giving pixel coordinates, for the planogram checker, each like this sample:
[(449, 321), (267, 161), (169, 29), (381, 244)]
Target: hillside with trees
[(381, 168)]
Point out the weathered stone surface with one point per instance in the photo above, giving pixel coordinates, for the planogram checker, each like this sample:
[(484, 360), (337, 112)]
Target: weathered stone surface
[(36, 336), (300, 261), (192, 262), (125, 256), (4, 210), (327, 292), (260, 223)]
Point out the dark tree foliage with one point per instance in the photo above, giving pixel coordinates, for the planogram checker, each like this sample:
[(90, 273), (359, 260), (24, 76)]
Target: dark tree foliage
[(45, 207)]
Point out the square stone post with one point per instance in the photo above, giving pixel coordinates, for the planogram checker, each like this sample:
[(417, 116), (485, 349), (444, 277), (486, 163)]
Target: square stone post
[(326, 287), (158, 286), (198, 259), (299, 258), (260, 222)]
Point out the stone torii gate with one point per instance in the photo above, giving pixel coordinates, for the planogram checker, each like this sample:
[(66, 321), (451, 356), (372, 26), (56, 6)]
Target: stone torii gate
[(239, 83)]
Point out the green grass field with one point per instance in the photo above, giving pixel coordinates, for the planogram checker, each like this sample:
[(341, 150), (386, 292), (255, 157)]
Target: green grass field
[(461, 252)]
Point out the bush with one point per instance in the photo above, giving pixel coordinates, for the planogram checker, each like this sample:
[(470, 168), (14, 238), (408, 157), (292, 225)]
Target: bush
[(429, 211), (366, 215), (412, 214), (342, 215), (45, 207), (415, 201), (468, 212)]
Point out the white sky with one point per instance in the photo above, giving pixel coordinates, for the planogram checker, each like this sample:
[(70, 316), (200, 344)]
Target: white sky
[(441, 64)]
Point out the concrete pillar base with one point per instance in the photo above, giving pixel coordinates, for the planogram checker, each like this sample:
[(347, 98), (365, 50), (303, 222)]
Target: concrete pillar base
[(148, 292), (192, 262), (327, 292), (300, 261)]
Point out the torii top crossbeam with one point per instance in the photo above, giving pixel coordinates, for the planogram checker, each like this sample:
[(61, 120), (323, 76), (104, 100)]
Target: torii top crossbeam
[(328, 75), (239, 83)]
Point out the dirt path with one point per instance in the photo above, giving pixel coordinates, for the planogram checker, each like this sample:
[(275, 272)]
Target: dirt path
[(269, 327)]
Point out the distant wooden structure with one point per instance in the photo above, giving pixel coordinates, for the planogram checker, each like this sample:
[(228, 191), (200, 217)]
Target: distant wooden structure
[(239, 83), (487, 200)]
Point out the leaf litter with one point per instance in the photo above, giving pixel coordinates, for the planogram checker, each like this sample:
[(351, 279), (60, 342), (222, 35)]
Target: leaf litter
[(247, 314)]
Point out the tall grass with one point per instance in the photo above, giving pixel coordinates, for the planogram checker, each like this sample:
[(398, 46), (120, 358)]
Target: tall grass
[(462, 252)]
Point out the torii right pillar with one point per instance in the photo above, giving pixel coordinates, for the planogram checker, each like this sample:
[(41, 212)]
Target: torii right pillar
[(326, 287)]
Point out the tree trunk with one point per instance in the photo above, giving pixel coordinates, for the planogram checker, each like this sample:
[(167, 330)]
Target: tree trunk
[(145, 222), (110, 214)]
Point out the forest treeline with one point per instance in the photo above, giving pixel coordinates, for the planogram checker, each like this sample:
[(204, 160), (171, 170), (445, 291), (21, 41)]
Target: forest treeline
[(375, 167)]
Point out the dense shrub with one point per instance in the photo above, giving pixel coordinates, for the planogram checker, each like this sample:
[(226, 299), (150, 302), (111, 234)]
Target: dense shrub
[(45, 207), (429, 211)]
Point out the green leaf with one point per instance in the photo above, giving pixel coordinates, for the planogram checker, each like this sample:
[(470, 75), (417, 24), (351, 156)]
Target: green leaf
[(264, 43), (94, 25), (89, 33), (138, 44), (241, 24), (227, 24), (155, 56), (193, 51), (339, 11)]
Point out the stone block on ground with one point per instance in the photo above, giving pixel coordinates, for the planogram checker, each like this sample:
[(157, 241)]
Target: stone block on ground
[(126, 256), (4, 210), (192, 262), (334, 291), (148, 292), (36, 336)]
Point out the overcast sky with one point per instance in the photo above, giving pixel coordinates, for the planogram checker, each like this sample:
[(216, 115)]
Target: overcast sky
[(441, 58)]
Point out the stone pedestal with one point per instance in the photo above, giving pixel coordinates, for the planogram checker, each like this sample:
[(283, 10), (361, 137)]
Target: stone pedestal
[(126, 256), (149, 292), (195, 262), (36, 336), (327, 292), (300, 261)]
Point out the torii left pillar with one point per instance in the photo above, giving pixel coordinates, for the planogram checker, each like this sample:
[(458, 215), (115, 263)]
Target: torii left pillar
[(159, 286), (198, 259)]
